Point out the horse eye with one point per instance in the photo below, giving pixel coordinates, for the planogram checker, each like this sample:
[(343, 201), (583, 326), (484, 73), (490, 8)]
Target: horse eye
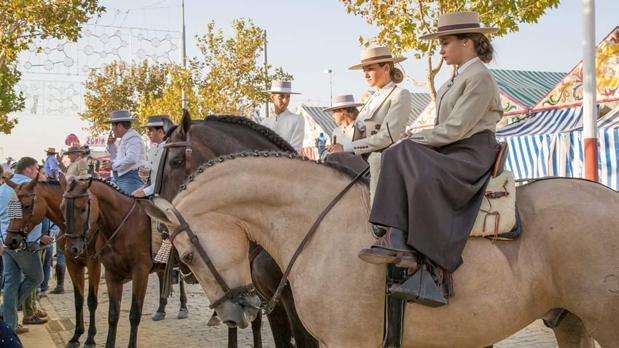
[(177, 162), (83, 210)]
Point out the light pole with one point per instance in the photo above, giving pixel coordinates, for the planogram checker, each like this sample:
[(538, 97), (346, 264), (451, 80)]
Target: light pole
[(183, 52), (330, 72), (589, 106)]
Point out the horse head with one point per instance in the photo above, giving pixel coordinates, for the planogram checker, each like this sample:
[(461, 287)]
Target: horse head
[(80, 210), (26, 211), (235, 301)]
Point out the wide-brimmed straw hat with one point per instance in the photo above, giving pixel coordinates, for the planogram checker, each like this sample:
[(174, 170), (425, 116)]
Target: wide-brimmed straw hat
[(74, 149), (51, 150), (376, 55), (458, 23), (157, 120), (281, 87), (342, 102), (121, 116)]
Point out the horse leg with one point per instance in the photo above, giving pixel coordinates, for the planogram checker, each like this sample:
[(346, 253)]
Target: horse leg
[(76, 272), (138, 291), (115, 293), (232, 337), (571, 333), (163, 302), (183, 313), (94, 276), (256, 326)]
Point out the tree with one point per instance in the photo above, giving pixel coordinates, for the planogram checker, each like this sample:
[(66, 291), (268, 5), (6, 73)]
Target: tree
[(24, 21), (118, 86), (234, 80), (401, 22), (227, 79)]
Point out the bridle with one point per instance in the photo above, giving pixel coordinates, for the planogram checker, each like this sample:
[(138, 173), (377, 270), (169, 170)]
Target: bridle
[(236, 294), (177, 144), (29, 209)]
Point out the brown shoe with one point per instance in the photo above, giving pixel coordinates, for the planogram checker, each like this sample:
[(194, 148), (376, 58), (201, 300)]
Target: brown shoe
[(20, 329), (34, 320), (40, 313), (390, 249)]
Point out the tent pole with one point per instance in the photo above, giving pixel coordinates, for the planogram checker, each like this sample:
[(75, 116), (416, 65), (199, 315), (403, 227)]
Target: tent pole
[(589, 91)]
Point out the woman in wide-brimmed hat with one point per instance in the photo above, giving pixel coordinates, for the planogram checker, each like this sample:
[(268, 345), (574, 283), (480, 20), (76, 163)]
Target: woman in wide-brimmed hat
[(431, 185), (344, 110), (383, 117)]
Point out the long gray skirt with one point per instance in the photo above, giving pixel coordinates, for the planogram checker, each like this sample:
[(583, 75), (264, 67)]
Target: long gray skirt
[(434, 193)]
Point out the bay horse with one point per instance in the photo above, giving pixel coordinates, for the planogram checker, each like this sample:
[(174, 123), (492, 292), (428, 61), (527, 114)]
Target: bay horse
[(567, 255), (40, 199), (216, 136)]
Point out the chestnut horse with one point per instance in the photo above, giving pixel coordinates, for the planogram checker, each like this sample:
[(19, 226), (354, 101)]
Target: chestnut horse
[(567, 256), (41, 199), (216, 136)]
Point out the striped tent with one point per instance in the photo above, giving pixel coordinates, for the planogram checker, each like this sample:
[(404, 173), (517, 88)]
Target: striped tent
[(539, 148)]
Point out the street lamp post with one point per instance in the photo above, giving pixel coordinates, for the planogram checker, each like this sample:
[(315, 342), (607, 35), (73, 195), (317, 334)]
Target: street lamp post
[(330, 72), (183, 53)]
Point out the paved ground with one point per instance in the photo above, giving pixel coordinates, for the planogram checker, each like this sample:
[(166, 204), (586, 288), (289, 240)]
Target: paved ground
[(190, 332)]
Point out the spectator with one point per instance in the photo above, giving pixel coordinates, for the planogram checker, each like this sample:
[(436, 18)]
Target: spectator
[(22, 269), (51, 163), (79, 165)]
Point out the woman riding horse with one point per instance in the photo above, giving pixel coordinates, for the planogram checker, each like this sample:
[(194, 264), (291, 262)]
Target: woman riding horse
[(431, 185)]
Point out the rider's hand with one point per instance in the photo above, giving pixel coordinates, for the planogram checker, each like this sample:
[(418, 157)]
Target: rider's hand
[(111, 139), (335, 148), (46, 240), (139, 193)]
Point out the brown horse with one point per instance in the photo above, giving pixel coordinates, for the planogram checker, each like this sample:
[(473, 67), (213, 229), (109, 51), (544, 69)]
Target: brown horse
[(41, 199), (567, 256), (216, 136), (120, 232)]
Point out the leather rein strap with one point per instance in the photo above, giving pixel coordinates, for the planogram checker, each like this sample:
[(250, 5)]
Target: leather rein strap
[(282, 283)]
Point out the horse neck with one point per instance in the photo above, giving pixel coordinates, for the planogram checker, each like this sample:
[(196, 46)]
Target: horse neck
[(276, 205), (113, 205), (231, 138), (52, 196)]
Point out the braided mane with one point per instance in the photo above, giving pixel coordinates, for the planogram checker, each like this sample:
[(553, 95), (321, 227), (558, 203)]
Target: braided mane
[(266, 154), (109, 184), (266, 132)]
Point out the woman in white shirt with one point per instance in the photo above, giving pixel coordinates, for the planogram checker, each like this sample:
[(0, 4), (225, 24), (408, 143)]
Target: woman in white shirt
[(345, 113)]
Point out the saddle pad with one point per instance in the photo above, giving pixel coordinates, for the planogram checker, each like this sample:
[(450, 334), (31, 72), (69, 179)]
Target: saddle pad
[(497, 214), (164, 252)]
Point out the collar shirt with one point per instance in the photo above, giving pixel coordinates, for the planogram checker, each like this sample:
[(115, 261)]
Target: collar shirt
[(129, 154), (78, 168), (7, 194), (464, 66), (51, 166), (289, 126), (375, 100), (153, 157)]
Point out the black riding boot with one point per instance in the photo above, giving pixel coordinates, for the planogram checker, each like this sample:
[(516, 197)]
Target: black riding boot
[(60, 271)]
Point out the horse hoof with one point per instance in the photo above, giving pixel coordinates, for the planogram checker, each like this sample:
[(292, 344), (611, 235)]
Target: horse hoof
[(90, 345), (73, 345), (158, 316), (214, 321), (183, 313)]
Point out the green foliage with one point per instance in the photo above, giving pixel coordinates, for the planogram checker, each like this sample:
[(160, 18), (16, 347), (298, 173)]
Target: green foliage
[(402, 22), (227, 79), (24, 21)]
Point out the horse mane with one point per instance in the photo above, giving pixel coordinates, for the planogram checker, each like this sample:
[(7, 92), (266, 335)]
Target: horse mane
[(111, 185), (266, 132), (266, 154), (49, 182)]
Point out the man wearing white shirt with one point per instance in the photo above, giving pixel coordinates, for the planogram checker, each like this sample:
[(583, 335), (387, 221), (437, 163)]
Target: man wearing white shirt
[(128, 155), (288, 125), (156, 133)]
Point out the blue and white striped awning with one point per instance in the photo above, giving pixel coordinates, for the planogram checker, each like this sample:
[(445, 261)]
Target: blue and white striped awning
[(561, 153), (545, 122)]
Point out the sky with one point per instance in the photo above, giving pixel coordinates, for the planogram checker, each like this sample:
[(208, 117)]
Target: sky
[(308, 37)]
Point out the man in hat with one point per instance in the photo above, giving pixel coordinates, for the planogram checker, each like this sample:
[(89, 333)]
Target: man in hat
[(78, 166), (129, 154), (289, 126), (51, 163), (157, 127)]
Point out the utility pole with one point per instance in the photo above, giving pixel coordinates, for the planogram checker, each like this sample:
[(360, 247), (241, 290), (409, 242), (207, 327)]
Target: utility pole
[(183, 52), (330, 72), (266, 75), (589, 103)]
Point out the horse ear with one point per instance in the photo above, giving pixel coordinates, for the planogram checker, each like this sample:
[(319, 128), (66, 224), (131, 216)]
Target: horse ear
[(185, 122), (159, 209)]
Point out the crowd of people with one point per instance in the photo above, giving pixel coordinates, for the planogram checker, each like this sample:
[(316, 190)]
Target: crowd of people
[(448, 165)]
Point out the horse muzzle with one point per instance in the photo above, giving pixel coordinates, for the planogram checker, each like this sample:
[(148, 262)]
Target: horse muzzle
[(13, 240), (239, 312), (75, 247)]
